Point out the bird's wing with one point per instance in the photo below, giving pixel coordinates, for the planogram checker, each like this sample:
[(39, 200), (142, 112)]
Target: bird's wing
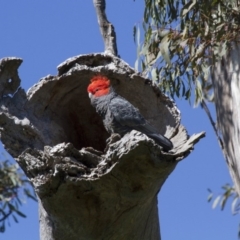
[(129, 116), (125, 113)]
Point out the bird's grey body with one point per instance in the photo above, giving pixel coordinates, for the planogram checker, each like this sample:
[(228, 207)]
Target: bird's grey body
[(120, 116)]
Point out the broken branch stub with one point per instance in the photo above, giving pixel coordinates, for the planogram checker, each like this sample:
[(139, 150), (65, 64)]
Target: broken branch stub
[(89, 189)]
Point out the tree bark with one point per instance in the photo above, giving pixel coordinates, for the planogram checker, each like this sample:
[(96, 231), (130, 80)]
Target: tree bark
[(226, 83), (88, 189)]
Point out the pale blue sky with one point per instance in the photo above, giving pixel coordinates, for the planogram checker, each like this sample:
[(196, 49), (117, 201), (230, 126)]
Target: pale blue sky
[(45, 33)]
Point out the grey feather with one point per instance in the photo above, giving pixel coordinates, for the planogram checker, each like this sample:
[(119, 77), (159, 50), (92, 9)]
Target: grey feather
[(120, 116)]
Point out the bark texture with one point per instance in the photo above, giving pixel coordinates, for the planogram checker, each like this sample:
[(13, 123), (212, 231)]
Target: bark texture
[(226, 83), (88, 189)]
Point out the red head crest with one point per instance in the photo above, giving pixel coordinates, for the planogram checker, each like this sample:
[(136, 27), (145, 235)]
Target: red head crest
[(99, 86)]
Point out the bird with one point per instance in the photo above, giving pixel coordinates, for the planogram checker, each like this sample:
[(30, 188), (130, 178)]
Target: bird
[(119, 115)]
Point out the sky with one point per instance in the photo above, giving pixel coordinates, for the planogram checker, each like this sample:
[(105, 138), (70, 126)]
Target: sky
[(46, 33)]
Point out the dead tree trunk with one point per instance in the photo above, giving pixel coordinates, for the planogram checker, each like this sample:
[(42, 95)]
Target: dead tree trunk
[(87, 189)]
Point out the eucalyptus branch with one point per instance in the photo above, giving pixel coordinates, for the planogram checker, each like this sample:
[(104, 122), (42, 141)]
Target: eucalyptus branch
[(106, 28), (204, 106)]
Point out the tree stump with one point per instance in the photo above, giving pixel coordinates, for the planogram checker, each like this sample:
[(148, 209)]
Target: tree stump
[(87, 188)]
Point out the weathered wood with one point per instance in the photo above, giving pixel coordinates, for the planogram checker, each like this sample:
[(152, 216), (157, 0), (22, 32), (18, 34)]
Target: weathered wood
[(88, 189)]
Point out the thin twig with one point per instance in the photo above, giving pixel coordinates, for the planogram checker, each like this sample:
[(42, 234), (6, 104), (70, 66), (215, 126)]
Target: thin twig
[(5, 215), (204, 106), (106, 28)]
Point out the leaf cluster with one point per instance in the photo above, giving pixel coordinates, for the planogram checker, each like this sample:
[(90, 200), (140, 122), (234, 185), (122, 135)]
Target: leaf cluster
[(183, 40), (229, 192), (14, 188)]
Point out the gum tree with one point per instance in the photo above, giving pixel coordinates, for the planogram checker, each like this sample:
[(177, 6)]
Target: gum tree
[(191, 50)]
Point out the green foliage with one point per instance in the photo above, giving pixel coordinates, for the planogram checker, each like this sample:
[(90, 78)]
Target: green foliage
[(229, 193), (14, 188), (182, 40)]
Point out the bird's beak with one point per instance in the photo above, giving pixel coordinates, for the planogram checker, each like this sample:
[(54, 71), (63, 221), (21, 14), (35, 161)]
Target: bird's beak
[(90, 95)]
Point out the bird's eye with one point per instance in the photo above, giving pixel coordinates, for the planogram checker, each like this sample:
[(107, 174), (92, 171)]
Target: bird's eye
[(97, 89)]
